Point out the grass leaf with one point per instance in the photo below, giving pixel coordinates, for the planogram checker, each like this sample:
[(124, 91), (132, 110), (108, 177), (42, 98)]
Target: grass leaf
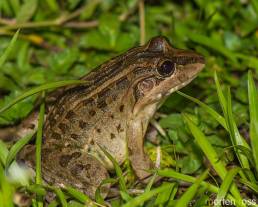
[(39, 142), (60, 196), (206, 147), (147, 195), (208, 109), (226, 184), (118, 170), (79, 196), (236, 138), (165, 196), (234, 133), (38, 179), (210, 154), (38, 189), (3, 152), (253, 109), (190, 192), (16, 148), (39, 89), (8, 50), (170, 173)]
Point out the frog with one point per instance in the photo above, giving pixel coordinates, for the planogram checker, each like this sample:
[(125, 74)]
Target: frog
[(110, 112)]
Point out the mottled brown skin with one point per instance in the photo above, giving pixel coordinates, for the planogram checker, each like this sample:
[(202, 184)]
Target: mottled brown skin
[(112, 110)]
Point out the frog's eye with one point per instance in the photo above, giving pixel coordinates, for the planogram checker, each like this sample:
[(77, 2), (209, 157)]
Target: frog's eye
[(167, 68)]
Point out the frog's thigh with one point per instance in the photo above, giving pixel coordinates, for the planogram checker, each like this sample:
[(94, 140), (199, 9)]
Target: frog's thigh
[(76, 169)]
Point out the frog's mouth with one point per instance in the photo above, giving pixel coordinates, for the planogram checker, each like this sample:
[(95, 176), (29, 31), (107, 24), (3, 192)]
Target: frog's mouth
[(183, 84)]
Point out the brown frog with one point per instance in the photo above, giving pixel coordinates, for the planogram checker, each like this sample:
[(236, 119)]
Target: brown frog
[(112, 110)]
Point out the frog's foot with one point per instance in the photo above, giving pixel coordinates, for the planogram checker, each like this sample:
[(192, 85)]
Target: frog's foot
[(141, 166)]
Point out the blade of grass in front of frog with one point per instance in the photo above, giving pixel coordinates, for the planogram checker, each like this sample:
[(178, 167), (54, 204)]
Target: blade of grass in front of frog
[(190, 192), (16, 148), (147, 195), (38, 179), (98, 198), (222, 99), (170, 173), (60, 196), (150, 183), (211, 154), (166, 196), (40, 89), (80, 196), (118, 170), (224, 188), (3, 152), (234, 133), (235, 140), (7, 190), (55, 203), (253, 110), (38, 189), (9, 48), (220, 119)]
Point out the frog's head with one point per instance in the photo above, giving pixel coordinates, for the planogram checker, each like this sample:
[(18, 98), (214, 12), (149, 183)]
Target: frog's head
[(167, 70)]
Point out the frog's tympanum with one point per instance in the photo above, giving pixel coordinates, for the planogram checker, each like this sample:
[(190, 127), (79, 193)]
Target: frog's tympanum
[(112, 110)]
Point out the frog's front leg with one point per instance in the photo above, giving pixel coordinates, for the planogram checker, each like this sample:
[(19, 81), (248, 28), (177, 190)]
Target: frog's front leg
[(135, 140)]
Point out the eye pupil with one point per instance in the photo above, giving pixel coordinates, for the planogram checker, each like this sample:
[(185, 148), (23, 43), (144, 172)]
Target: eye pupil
[(167, 68)]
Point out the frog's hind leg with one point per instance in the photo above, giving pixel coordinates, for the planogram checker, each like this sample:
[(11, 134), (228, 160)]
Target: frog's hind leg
[(69, 167), (74, 168)]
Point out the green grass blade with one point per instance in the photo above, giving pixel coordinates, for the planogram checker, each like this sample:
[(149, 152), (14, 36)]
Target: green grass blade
[(164, 197), (236, 138), (206, 147), (60, 196), (150, 183), (249, 184), (222, 99), (226, 184), (170, 173), (16, 148), (253, 109), (40, 89), (234, 133), (38, 179), (220, 119), (3, 152), (189, 194), (147, 195), (8, 50), (98, 197), (6, 190), (79, 195), (118, 170), (210, 154), (38, 189)]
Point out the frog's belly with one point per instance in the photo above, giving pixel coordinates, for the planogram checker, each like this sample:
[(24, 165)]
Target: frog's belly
[(117, 147)]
